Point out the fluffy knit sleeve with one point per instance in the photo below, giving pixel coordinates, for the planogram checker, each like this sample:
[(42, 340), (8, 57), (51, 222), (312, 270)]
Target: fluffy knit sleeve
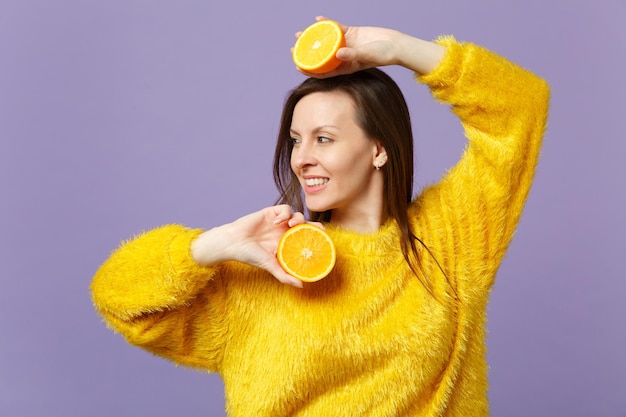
[(145, 289), (470, 216)]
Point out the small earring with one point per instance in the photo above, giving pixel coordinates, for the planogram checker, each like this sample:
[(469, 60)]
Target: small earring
[(380, 162)]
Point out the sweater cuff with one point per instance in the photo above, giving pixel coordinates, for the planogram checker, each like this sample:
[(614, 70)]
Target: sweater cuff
[(449, 69), (189, 275)]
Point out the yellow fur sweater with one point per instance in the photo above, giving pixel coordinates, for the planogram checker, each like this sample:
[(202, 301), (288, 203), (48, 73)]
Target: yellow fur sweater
[(369, 340)]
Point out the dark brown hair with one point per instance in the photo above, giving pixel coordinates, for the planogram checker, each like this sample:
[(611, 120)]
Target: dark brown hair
[(382, 113)]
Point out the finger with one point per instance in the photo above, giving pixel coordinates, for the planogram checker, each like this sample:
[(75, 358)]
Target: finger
[(282, 213), (344, 28), (296, 218), (289, 280), (318, 224), (275, 269), (347, 54)]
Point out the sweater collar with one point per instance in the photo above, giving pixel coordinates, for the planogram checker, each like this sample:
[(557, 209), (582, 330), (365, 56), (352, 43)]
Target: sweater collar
[(349, 242)]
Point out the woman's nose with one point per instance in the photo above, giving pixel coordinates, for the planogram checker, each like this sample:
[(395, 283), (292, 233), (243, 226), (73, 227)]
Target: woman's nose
[(303, 155)]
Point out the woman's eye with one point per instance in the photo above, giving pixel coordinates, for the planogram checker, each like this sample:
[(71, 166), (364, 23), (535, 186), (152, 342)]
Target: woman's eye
[(324, 139), (295, 141)]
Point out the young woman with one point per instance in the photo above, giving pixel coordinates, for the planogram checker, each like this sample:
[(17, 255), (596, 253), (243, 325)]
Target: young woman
[(397, 329)]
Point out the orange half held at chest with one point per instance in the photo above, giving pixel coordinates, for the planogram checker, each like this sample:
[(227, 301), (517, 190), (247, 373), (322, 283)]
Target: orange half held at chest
[(306, 252)]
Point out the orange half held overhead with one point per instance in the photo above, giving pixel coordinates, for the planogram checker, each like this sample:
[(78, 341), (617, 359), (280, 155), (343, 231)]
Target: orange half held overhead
[(316, 47), (306, 252)]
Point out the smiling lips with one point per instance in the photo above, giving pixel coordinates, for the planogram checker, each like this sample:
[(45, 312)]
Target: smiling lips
[(315, 183)]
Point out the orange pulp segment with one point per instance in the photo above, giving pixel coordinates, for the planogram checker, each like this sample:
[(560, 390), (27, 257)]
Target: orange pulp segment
[(317, 45), (306, 252)]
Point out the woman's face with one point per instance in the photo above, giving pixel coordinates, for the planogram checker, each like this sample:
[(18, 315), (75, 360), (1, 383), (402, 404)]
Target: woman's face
[(332, 157)]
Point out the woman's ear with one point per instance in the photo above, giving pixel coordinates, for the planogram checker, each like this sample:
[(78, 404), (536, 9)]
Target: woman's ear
[(380, 157)]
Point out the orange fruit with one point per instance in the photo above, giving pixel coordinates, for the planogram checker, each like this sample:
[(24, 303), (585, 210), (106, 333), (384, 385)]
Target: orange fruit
[(317, 45), (306, 252)]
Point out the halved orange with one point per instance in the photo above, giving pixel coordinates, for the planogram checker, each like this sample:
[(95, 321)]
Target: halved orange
[(306, 252), (317, 45)]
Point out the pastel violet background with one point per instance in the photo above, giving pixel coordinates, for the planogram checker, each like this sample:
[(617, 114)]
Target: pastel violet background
[(119, 116)]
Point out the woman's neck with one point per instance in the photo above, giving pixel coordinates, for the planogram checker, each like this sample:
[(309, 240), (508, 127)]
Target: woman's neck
[(360, 221)]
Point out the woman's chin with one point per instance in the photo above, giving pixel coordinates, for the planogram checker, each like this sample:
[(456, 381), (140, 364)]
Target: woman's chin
[(318, 208)]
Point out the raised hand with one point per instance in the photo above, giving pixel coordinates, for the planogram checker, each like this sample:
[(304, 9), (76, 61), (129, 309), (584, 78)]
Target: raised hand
[(368, 47), (252, 239)]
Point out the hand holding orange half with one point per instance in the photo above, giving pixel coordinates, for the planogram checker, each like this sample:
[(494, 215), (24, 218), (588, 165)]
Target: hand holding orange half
[(306, 252), (316, 47)]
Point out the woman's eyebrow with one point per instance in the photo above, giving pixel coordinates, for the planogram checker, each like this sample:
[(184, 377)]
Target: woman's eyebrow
[(316, 130)]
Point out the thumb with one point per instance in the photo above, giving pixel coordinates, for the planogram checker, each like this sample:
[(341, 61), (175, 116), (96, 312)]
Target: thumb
[(347, 54), (366, 56), (279, 273)]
